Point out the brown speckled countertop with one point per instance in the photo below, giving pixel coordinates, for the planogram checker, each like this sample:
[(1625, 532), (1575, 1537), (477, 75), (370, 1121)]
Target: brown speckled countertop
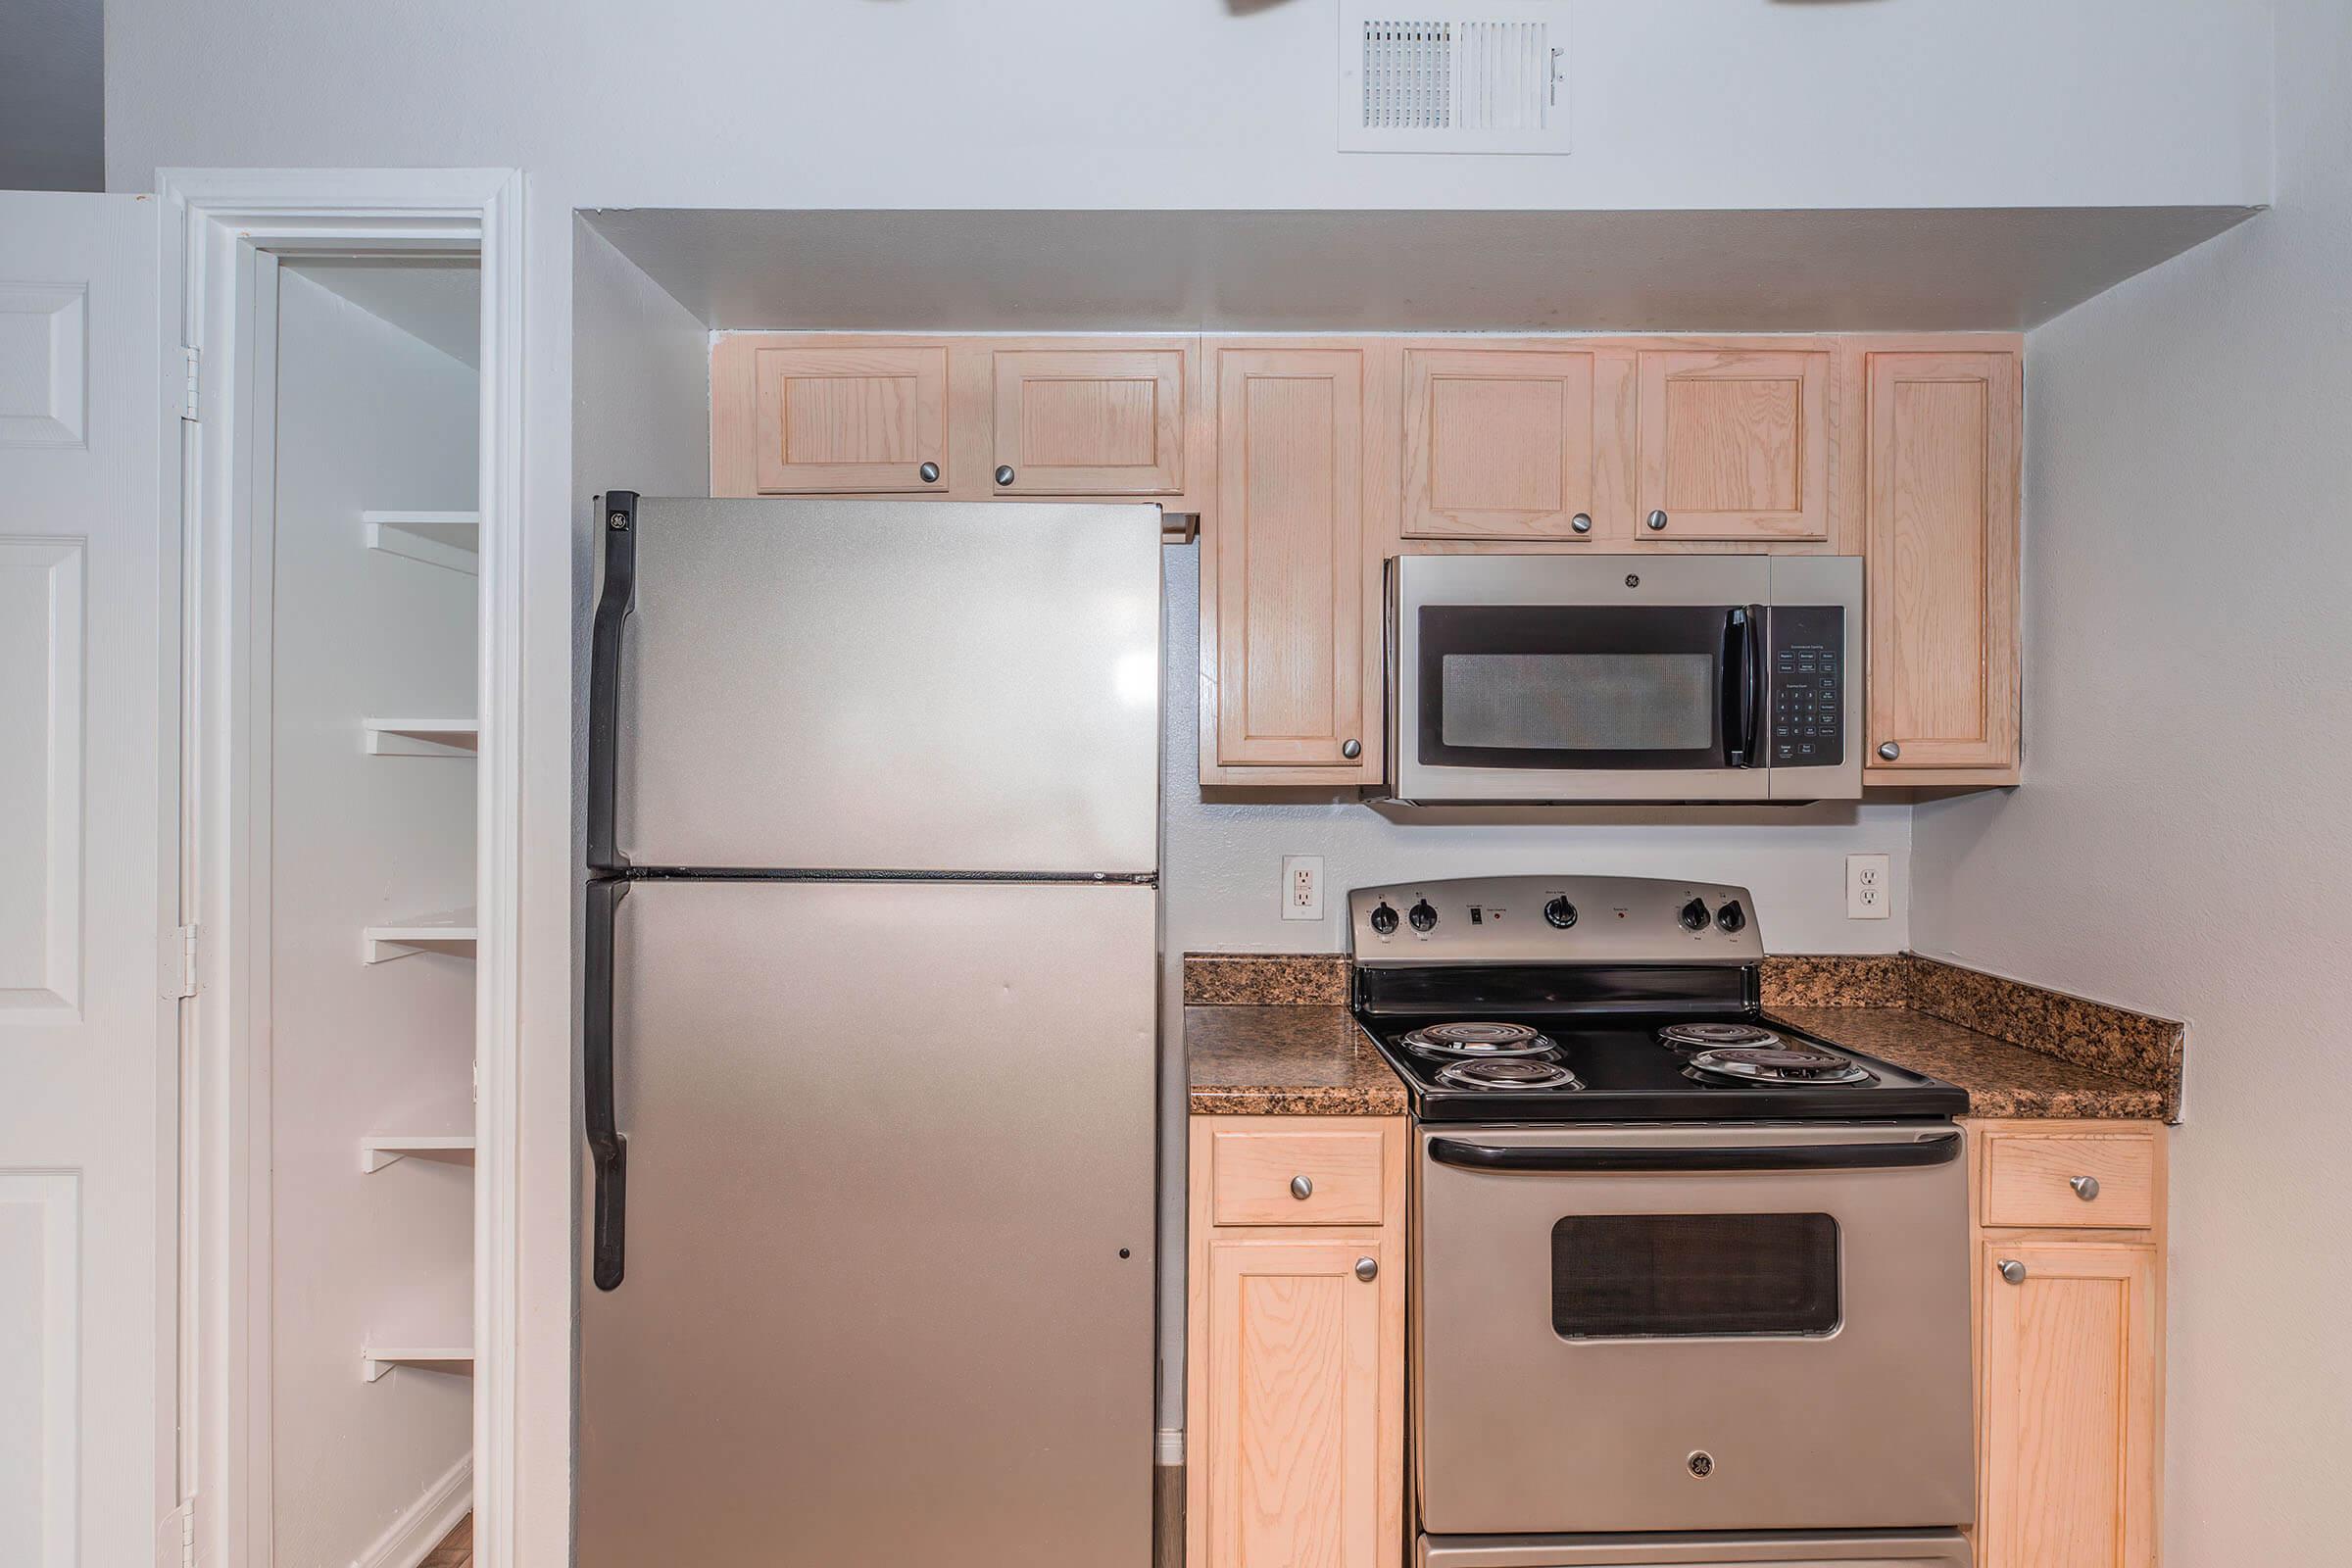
[(1271, 1035), (1285, 1060)]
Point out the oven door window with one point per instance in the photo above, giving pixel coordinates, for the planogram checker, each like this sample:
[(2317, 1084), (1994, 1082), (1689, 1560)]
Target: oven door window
[(1655, 1276), (1539, 687)]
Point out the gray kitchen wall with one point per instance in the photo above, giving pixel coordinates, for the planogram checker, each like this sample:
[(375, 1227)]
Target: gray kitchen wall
[(2182, 842)]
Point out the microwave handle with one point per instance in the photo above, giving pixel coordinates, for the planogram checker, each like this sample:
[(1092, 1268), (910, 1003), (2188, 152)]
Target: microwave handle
[(1743, 659)]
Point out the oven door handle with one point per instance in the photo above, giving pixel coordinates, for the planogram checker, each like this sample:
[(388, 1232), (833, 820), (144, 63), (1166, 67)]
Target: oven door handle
[(1940, 1149)]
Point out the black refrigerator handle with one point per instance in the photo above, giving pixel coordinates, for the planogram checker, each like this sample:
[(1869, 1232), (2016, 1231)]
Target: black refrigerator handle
[(618, 523), (1743, 650), (607, 1148)]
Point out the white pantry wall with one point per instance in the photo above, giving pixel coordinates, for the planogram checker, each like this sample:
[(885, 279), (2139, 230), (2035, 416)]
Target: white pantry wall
[(369, 418), (2181, 843)]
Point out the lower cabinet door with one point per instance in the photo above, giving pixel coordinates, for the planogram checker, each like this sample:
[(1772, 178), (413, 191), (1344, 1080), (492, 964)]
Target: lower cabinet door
[(2072, 1390), (1292, 1438)]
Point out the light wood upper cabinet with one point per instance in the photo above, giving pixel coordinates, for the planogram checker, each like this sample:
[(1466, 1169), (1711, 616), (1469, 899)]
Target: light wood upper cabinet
[(1517, 443), (1289, 575), (1294, 1367), (848, 419), (1089, 421), (1734, 443), (2070, 1417), (1941, 542)]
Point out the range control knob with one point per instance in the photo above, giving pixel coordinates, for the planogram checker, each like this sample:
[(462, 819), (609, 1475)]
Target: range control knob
[(1560, 913), (1422, 915), (1384, 918), (1731, 917), (1694, 915)]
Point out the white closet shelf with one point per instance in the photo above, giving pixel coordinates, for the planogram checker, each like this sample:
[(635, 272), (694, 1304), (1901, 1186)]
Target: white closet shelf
[(451, 932), (376, 1360), (448, 1148), (450, 539), (422, 737)]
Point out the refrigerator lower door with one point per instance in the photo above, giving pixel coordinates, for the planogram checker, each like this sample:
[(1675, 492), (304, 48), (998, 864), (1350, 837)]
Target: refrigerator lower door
[(888, 1296), (921, 686)]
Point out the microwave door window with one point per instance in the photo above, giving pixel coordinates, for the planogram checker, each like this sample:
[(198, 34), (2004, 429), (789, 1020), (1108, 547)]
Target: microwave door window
[(1594, 687)]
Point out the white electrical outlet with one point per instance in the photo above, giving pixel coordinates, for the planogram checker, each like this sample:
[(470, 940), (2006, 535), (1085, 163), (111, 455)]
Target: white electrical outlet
[(1867, 888), (1302, 887)]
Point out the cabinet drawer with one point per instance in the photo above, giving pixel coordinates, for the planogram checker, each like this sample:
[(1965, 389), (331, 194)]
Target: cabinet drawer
[(1253, 1174), (2042, 1179)]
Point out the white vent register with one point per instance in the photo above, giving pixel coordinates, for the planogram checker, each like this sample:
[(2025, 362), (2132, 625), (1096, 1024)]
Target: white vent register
[(1478, 77)]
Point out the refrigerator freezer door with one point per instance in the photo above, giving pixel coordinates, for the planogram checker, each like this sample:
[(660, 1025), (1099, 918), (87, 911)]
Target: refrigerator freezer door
[(889, 1236), (891, 685)]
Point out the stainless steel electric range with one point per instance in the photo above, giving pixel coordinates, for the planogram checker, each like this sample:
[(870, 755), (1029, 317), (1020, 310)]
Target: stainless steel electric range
[(1688, 1286)]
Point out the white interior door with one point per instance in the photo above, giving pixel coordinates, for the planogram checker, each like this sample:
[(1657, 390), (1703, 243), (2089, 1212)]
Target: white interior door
[(86, 1316)]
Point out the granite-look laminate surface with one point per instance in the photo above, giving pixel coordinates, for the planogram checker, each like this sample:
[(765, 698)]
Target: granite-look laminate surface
[(2135, 1045), (1284, 1060), (1265, 979), (1837, 980), (2002, 1080)]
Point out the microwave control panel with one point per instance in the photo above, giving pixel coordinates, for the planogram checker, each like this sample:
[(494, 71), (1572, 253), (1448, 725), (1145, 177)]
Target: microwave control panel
[(1808, 685)]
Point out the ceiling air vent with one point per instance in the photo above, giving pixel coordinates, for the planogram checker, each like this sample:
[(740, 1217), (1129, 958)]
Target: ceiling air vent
[(1439, 77)]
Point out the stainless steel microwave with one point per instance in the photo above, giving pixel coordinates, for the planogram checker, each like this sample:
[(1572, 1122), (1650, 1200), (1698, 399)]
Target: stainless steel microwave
[(1562, 679)]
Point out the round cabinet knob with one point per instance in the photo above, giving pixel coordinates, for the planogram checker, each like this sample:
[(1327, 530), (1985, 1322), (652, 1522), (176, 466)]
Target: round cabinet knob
[(928, 473), (2013, 1271), (1384, 918), (1889, 750), (1005, 474), (1352, 749), (1656, 521), (1367, 1269), (1581, 523), (1731, 917), (2085, 1188), (1560, 913), (1694, 915), (1302, 1189), (1422, 915)]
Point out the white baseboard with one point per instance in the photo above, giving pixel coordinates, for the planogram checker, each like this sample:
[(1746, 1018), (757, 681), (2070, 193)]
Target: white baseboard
[(422, 1525), (1167, 1445)]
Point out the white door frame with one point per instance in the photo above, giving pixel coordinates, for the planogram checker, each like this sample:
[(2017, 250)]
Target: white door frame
[(222, 221)]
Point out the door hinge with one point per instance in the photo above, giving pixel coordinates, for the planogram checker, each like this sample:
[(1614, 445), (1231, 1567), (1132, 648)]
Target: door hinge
[(179, 967), (188, 407), (187, 1534)]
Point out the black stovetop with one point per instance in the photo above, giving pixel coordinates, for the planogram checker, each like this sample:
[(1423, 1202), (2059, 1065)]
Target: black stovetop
[(1628, 1074)]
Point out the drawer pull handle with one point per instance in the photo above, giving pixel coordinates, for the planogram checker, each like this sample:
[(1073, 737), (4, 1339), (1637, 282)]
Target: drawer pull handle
[(1302, 1189), (2013, 1271), (1367, 1269), (2085, 1188)]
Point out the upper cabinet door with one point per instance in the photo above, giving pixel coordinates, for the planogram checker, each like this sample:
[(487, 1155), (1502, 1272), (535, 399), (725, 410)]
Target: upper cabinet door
[(1088, 422), (1942, 539), (1734, 444), (1515, 443), (1284, 564), (851, 419)]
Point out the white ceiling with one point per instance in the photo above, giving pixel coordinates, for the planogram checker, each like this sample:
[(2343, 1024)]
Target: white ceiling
[(996, 271), (434, 298)]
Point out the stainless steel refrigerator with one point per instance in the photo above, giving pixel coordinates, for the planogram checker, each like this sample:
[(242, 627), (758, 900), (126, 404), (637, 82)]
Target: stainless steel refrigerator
[(869, 1026)]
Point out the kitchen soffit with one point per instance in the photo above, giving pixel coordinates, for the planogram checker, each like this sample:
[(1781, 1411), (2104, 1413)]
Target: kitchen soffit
[(1990, 270)]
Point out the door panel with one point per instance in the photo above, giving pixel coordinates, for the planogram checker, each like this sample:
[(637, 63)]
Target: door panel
[(1289, 568), (1513, 444), (1942, 553), (875, 686), (2070, 1416), (1089, 421), (889, 1236), (1734, 444), (1292, 1429), (848, 419), (85, 1468)]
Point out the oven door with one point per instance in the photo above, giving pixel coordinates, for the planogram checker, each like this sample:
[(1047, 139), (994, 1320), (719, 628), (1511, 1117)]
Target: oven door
[(1565, 679), (1689, 1328)]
